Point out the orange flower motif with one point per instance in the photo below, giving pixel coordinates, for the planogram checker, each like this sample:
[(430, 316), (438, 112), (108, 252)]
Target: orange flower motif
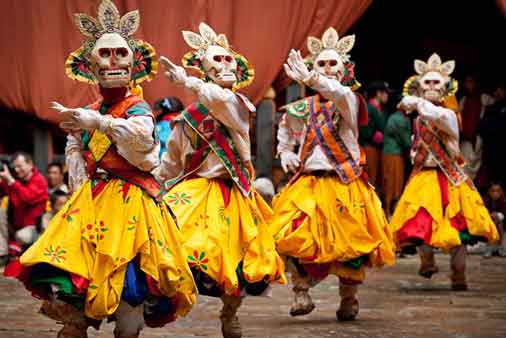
[(179, 198), (56, 254)]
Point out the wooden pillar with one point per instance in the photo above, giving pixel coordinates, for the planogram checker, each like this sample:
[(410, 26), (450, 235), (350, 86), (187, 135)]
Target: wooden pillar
[(42, 147), (294, 92), (266, 111)]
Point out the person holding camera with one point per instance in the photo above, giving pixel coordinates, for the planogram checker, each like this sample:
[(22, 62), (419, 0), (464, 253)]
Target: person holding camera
[(27, 198)]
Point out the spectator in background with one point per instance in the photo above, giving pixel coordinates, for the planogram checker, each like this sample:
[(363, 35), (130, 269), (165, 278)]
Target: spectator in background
[(56, 178), (396, 145), (166, 110), (472, 106), (492, 130), (58, 199), (371, 136), (495, 202), (27, 200)]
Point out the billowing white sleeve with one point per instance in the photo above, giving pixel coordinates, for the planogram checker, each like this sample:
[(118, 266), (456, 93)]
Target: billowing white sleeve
[(134, 139), (333, 90), (224, 104), (75, 162), (289, 133), (171, 164), (444, 118)]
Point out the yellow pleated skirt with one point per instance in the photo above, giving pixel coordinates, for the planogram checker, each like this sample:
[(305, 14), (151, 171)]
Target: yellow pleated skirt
[(320, 220), (223, 230), (465, 204), (95, 237)]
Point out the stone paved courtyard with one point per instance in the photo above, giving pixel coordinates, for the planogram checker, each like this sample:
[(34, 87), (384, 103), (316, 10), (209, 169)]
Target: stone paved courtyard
[(395, 303)]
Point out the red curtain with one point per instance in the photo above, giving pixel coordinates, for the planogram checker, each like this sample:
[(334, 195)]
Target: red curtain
[(501, 4), (37, 35)]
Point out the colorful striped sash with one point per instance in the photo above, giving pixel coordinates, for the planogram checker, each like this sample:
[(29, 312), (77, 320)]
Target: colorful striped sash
[(323, 131), (218, 140), (428, 141)]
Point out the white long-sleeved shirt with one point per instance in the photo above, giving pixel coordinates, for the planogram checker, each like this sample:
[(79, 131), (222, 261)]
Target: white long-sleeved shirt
[(446, 121), (133, 138), (292, 131), (226, 107)]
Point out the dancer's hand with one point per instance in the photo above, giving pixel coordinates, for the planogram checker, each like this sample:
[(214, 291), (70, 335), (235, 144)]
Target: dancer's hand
[(77, 118), (295, 67), (174, 73), (409, 103), (289, 161)]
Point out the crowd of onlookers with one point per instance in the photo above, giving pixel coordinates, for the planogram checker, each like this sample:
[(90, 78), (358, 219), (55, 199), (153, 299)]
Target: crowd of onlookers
[(29, 200)]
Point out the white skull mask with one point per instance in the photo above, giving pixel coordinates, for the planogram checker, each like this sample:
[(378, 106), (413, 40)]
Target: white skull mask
[(112, 61), (434, 77), (220, 66), (433, 84), (329, 64)]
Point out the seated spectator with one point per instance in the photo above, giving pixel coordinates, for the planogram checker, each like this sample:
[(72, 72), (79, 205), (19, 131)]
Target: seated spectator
[(396, 144), (56, 178), (495, 201), (166, 110), (58, 199), (265, 188), (28, 196)]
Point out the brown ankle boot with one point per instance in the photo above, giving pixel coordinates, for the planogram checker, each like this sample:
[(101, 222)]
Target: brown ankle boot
[(230, 325), (428, 271), (458, 268), (348, 308), (302, 302), (71, 331), (74, 321), (427, 262)]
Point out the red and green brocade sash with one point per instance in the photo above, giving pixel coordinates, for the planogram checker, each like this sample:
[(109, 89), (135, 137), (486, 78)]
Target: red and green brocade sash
[(323, 131), (428, 141), (218, 140), (103, 154)]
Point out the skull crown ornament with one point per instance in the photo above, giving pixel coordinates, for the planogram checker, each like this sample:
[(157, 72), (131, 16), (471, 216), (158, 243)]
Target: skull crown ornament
[(110, 56), (215, 60), (329, 55), (432, 80)]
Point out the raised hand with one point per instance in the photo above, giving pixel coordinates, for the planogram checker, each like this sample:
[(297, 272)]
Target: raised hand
[(174, 73), (295, 67), (76, 118)]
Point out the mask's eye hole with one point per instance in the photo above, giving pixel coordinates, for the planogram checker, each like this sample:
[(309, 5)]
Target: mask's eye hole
[(228, 58), (217, 58), (436, 82), (426, 82), (122, 52), (104, 52), (333, 63), (321, 63)]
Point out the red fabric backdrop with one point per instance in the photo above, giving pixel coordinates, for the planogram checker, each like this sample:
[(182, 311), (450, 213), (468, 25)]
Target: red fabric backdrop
[(501, 4), (37, 35)]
